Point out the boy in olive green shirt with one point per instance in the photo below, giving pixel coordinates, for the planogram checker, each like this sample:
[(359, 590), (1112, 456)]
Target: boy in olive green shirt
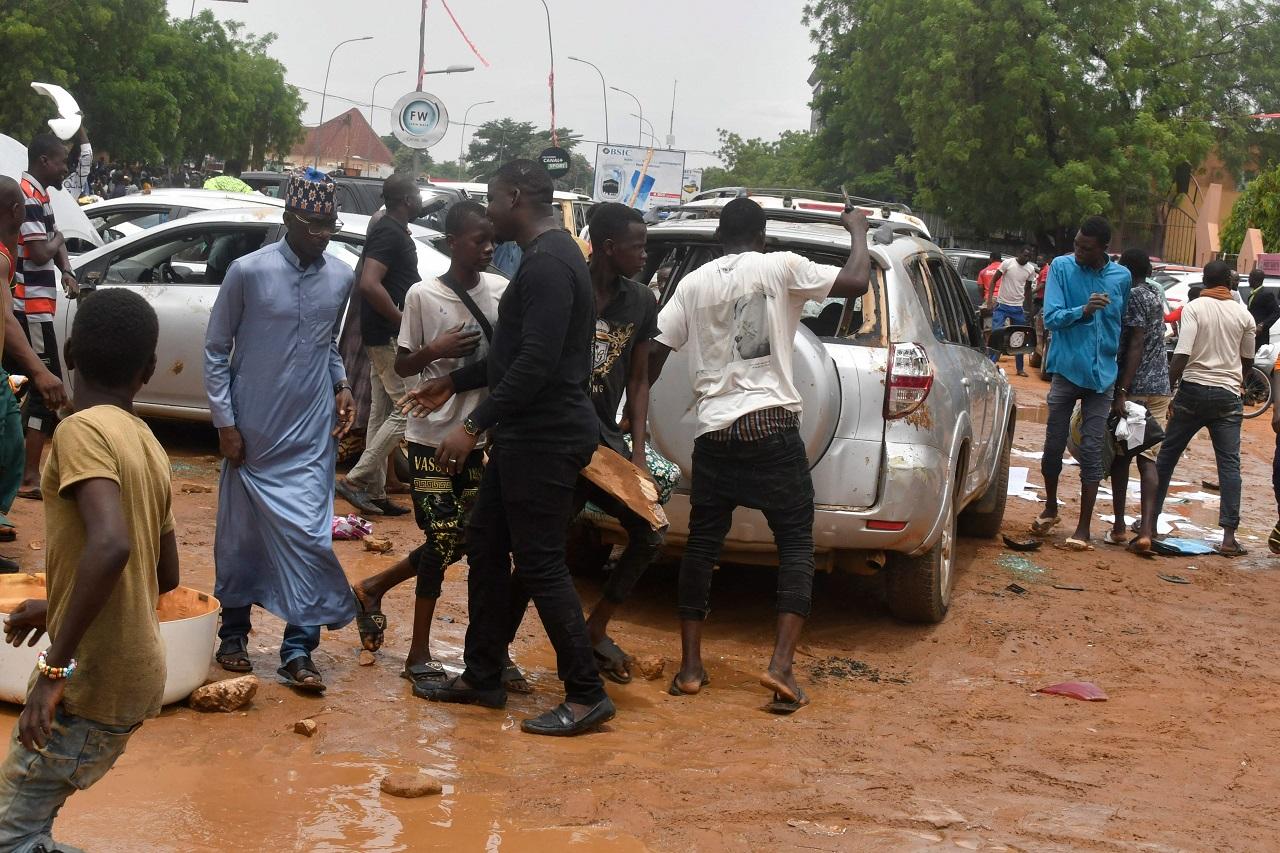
[(112, 551)]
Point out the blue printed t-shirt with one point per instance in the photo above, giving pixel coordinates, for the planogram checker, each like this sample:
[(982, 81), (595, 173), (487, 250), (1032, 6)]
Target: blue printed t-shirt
[(1083, 349)]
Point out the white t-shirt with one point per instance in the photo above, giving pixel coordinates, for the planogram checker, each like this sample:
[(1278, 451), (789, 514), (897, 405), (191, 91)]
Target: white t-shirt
[(1011, 289), (738, 317), (1215, 334), (430, 310)]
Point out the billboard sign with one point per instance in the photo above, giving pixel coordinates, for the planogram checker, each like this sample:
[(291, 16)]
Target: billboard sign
[(643, 178), (419, 120), (692, 184)]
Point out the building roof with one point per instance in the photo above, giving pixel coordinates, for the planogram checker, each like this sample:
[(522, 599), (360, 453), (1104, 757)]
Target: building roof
[(345, 136)]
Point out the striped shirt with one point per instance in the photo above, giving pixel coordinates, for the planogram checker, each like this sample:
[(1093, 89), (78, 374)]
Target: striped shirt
[(759, 424), (35, 293)]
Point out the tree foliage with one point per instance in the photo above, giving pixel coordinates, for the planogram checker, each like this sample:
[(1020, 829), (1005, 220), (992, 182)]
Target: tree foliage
[(1007, 114), (1257, 207), (502, 140), (784, 162), (150, 88)]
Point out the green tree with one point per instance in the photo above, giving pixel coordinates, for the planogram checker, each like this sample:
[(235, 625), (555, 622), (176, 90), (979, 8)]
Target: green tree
[(502, 140), (1257, 207), (1008, 114), (784, 162)]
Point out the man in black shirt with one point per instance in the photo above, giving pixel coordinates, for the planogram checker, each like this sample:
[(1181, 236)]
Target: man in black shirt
[(544, 432), (389, 268), (626, 322)]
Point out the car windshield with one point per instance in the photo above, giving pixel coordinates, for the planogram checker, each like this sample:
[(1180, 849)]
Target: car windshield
[(862, 322)]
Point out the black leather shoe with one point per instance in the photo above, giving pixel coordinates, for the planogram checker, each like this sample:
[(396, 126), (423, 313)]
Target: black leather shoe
[(389, 509), (454, 690), (558, 722)]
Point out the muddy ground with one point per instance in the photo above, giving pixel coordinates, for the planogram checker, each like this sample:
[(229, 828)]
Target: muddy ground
[(918, 738)]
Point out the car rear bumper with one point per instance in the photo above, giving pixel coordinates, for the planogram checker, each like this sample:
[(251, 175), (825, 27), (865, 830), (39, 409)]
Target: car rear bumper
[(912, 489)]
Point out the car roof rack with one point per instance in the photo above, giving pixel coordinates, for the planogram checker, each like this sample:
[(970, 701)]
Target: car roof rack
[(791, 192)]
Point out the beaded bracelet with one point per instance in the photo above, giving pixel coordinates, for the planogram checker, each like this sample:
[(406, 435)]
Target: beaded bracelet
[(55, 672)]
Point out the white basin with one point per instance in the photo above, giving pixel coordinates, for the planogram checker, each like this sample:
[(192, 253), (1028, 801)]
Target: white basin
[(188, 624)]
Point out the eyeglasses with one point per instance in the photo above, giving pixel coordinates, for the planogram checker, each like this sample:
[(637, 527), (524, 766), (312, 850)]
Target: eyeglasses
[(319, 229)]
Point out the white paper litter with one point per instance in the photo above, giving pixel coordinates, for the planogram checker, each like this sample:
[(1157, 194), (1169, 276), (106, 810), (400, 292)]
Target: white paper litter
[(1017, 480), (1214, 536), (1203, 497)]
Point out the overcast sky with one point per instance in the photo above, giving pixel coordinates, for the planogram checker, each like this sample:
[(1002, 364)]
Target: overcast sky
[(741, 64)]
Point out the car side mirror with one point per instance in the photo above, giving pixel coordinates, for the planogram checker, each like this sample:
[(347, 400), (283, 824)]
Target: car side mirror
[(1012, 340)]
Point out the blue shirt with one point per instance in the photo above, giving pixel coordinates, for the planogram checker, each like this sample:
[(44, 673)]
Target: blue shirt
[(1083, 349)]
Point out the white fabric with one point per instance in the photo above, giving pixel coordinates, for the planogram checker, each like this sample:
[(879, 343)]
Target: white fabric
[(430, 310), (1011, 289), (738, 316), (1132, 428), (1215, 334)]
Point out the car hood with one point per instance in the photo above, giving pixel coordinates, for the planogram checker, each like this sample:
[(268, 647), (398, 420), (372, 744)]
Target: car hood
[(71, 219)]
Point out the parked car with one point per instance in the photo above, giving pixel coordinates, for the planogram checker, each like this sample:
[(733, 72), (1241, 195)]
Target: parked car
[(799, 205), (970, 262), (177, 267), (907, 423), (363, 195), (574, 207), (115, 218)]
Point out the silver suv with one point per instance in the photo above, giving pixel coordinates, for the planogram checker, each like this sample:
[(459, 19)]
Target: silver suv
[(907, 422)]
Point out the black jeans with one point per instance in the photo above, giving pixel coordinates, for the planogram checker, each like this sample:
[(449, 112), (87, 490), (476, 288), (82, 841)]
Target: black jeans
[(643, 543), (1222, 411), (771, 475), (523, 512)]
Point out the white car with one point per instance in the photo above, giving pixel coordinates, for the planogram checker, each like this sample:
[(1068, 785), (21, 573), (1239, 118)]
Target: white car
[(178, 266), (115, 218), (802, 206)]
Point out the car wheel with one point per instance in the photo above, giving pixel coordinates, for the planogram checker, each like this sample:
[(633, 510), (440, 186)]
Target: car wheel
[(982, 518), (919, 588)]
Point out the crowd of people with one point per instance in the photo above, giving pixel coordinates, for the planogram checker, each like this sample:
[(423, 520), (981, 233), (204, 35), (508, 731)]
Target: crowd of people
[(505, 392)]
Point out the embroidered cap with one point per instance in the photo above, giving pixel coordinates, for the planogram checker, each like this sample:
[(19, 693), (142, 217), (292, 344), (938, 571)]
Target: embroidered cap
[(311, 193)]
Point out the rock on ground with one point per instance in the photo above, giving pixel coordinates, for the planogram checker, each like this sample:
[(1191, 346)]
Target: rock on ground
[(411, 784), (367, 658), (305, 727), (649, 667), (229, 695)]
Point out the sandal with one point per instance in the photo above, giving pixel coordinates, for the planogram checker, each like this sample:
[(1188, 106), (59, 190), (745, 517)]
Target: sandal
[(370, 623), (1042, 526), (233, 655), (1112, 539), (301, 674), (612, 661), (675, 689), (1078, 545), (425, 674), (32, 493), (1238, 551), (1134, 548), (1273, 541), (783, 705), (513, 679)]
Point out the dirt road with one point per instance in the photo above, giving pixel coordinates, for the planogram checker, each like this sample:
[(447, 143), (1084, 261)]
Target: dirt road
[(919, 738)]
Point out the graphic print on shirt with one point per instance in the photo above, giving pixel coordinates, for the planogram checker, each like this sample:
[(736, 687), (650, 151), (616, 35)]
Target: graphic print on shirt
[(751, 327), (748, 318), (610, 342)]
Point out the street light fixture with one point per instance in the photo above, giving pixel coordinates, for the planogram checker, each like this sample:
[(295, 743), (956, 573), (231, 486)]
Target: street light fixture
[(639, 109), (193, 6), (551, 78), (373, 96), (452, 69), (652, 135), (463, 141), (324, 93), (604, 94)]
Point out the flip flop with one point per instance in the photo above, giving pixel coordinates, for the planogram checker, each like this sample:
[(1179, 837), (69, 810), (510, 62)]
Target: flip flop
[(426, 673), (1238, 551), (8, 533), (233, 655), (674, 688), (370, 623), (32, 494), (1273, 541), (515, 682), (296, 670), (1133, 548), (1111, 539), (781, 705), (780, 688), (1077, 545), (611, 661), (1042, 526)]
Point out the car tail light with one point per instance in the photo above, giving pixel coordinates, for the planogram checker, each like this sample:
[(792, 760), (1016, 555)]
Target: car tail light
[(886, 525), (910, 378)]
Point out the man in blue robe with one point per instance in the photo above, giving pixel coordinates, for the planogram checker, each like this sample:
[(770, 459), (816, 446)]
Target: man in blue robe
[(280, 399)]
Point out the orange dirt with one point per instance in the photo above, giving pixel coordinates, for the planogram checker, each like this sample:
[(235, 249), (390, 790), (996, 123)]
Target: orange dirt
[(918, 738)]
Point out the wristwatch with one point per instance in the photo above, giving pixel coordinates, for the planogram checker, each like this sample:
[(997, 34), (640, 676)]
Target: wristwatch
[(339, 387), (470, 428)]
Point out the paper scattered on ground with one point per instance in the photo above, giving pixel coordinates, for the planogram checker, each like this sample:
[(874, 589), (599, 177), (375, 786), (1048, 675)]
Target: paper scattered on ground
[(1165, 524), (1039, 454), (1017, 480), (1205, 497)]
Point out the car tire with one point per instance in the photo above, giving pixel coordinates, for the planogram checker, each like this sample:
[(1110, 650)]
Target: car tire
[(918, 589), (983, 518)]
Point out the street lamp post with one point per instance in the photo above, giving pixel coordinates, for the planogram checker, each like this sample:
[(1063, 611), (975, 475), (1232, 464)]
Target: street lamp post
[(324, 93), (373, 96), (639, 109), (604, 94), (551, 78), (652, 135), (452, 69), (463, 132)]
